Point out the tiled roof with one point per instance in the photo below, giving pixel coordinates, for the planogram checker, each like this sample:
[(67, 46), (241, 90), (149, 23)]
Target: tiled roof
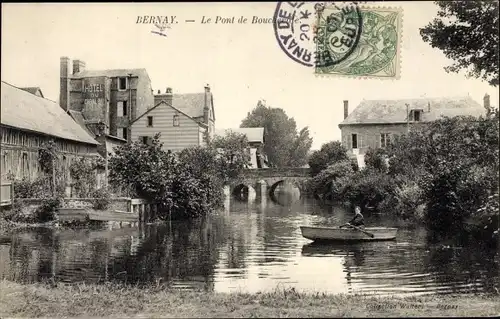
[(111, 73), (394, 111), (32, 90), (24, 110), (78, 117), (192, 103), (254, 134)]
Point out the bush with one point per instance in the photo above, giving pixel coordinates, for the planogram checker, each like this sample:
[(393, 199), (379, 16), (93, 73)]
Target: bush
[(329, 153), (39, 188), (376, 159), (83, 175), (45, 212), (101, 199), (367, 188), (188, 184), (325, 184), (409, 197)]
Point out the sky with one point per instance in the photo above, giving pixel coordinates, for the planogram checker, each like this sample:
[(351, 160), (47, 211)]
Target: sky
[(242, 63)]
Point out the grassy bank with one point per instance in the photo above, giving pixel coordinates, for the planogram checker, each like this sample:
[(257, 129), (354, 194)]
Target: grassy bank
[(39, 300)]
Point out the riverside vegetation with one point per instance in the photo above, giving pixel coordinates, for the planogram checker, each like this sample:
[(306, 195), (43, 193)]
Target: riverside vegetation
[(49, 188), (443, 174), (186, 185)]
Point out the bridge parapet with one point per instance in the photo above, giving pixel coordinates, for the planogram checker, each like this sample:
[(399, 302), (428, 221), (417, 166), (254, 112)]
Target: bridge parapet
[(277, 172)]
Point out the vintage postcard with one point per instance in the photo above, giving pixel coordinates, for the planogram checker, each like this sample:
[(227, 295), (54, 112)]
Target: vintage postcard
[(250, 159)]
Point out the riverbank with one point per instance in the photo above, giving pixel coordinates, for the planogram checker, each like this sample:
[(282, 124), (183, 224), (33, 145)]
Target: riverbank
[(111, 300)]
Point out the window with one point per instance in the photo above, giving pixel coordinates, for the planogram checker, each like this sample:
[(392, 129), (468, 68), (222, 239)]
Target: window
[(354, 140), (385, 139), (176, 120), (122, 84), (148, 140), (124, 133), (121, 108), (150, 121)]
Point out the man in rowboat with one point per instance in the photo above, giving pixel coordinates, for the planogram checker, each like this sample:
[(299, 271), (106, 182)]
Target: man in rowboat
[(358, 220)]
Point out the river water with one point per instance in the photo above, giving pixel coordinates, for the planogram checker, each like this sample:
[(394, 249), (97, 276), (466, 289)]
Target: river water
[(251, 246)]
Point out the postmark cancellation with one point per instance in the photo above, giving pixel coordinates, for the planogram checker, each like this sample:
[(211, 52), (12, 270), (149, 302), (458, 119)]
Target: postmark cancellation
[(358, 41)]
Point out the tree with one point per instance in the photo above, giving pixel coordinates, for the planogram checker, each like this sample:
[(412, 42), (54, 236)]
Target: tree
[(187, 184), (300, 149), (147, 169), (375, 159), (198, 187), (467, 32), (233, 154), (329, 153), (284, 146), (455, 163)]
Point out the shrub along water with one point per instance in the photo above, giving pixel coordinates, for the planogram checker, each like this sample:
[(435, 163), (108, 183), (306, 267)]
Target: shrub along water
[(444, 173), (187, 184)]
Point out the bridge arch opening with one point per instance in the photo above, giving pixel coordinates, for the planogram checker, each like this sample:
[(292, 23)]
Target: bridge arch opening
[(243, 191), (285, 186)]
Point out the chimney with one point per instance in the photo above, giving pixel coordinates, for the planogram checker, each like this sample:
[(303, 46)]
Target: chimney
[(64, 77), (78, 66), (206, 108), (166, 97), (346, 108)]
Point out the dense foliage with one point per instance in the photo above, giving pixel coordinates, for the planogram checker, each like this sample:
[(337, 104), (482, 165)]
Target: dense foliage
[(329, 153), (444, 173), (233, 153), (284, 146), (83, 176), (467, 32), (187, 184)]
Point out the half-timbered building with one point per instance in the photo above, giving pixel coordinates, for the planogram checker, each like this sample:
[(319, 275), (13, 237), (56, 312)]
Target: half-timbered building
[(28, 122)]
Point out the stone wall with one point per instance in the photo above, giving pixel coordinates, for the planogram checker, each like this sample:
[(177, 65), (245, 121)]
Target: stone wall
[(31, 204)]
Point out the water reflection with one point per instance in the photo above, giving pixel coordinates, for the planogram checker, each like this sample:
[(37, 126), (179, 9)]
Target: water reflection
[(250, 246)]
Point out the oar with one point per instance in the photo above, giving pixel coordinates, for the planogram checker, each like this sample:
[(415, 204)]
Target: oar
[(361, 230)]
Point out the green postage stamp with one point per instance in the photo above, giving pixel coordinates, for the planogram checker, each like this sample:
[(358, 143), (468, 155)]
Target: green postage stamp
[(357, 41)]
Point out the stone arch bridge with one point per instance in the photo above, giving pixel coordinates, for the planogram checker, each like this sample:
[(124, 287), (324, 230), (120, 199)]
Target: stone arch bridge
[(265, 180)]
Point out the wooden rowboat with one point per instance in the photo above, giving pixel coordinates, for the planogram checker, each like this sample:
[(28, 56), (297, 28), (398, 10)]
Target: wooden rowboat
[(347, 233)]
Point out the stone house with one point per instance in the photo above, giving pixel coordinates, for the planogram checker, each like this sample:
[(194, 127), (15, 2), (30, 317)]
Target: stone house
[(105, 101), (373, 123)]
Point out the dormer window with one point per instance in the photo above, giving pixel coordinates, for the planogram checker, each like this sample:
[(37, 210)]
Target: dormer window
[(122, 84), (416, 115)]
